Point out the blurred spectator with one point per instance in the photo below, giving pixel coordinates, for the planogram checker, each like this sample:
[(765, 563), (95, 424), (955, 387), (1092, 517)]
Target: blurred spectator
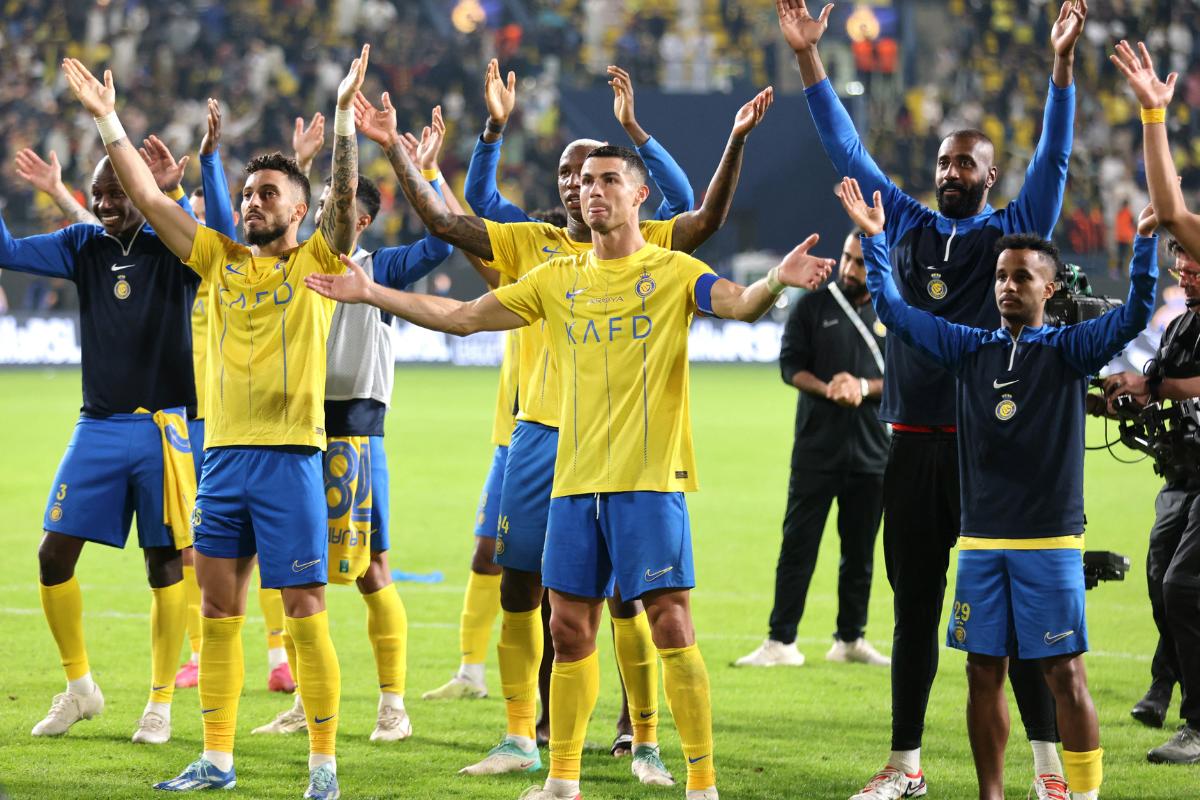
[(1124, 228)]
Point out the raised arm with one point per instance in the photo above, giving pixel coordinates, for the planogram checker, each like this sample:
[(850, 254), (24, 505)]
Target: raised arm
[(481, 192), (218, 207), (435, 313), (337, 218), (379, 125), (944, 342), (748, 303), (1154, 96), (47, 177), (1063, 36), (695, 227), (307, 142), (678, 197), (170, 222)]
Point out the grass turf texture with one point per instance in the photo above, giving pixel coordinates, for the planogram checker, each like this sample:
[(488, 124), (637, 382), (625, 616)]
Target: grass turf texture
[(814, 732)]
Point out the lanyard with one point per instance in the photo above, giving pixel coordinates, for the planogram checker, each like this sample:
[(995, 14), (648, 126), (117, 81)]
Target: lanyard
[(857, 322)]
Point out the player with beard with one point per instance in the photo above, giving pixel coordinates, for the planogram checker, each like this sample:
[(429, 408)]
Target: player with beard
[(261, 490), (832, 351), (944, 262)]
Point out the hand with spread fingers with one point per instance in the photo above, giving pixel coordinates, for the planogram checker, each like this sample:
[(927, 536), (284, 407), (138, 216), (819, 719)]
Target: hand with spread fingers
[(212, 137), (100, 99), (800, 29), (500, 97), (869, 218), (307, 142), (424, 152), (352, 286), (1138, 69), (377, 124), (167, 171), (353, 81), (45, 176), (803, 271), (752, 113)]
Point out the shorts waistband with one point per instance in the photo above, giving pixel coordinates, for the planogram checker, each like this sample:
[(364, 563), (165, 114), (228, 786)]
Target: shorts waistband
[(1071, 542), (900, 427)]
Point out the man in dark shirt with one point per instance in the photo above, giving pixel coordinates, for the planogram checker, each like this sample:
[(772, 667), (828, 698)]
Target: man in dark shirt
[(832, 352)]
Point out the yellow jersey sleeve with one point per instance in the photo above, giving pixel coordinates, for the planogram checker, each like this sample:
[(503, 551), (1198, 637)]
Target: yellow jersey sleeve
[(659, 232), (524, 298), (690, 270), (210, 250)]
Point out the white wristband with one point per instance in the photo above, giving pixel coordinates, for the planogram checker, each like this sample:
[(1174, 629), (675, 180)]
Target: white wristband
[(773, 284), (110, 128), (865, 387), (343, 122)]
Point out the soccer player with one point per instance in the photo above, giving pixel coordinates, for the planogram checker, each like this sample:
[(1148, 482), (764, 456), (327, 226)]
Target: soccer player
[(133, 321), (1020, 391), (358, 391), (264, 422), (617, 317), (1181, 591), (944, 263), (514, 249)]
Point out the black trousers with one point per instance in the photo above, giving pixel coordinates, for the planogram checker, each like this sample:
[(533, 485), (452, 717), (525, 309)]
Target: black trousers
[(920, 527), (860, 505), (1173, 578)]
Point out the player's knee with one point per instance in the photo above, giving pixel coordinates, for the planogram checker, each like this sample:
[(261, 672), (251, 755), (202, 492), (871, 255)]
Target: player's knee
[(303, 601), (1066, 677), (57, 556), (670, 621), (164, 566), (985, 672), (573, 636), (483, 561)]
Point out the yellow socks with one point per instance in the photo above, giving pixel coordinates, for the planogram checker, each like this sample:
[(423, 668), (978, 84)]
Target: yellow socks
[(191, 590), (168, 616), (1085, 771), (481, 604), (271, 602), (63, 606), (290, 647), (319, 678), (387, 628), (638, 661), (574, 687), (685, 681), (222, 672), (520, 652)]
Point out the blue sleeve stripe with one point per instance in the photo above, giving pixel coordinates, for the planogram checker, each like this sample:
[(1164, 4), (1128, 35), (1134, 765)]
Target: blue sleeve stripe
[(703, 293)]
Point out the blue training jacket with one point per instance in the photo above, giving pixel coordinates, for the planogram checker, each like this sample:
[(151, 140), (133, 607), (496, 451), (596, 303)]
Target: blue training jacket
[(1020, 402), (946, 266)]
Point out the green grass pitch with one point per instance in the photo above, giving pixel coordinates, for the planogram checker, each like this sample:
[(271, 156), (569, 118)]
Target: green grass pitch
[(814, 732)]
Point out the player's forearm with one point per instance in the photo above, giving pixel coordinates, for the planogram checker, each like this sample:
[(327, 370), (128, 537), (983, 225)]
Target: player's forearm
[(1064, 70), (636, 132), (812, 71), (218, 207), (480, 190), (1165, 193), (670, 179), (70, 207), (337, 223), (809, 383), (746, 305), (694, 228), (435, 313), (1143, 281)]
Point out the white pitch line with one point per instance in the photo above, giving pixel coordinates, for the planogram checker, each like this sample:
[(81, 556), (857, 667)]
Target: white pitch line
[(135, 615)]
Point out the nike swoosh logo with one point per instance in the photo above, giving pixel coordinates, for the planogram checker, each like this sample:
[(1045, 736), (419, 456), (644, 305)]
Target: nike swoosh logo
[(319, 720), (646, 715), (1056, 638), (116, 268), (653, 576), (298, 567), (158, 688), (828, 323), (554, 252), (229, 268), (932, 269), (210, 710), (699, 758), (996, 384), (576, 293)]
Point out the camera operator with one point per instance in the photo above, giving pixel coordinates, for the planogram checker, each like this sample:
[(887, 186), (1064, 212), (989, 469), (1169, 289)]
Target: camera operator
[(1173, 560)]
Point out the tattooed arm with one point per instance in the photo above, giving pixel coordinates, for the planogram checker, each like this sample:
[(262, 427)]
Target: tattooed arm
[(337, 221), (47, 177), (460, 230)]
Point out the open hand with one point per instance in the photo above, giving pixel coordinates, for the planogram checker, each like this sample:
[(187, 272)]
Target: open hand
[(498, 97), (212, 138), (354, 79), (307, 142), (869, 218), (801, 31), (100, 99), (352, 286), (749, 115), (167, 171), (1138, 69), (377, 124), (800, 269), (41, 175), (622, 86), (424, 151), (1068, 26)]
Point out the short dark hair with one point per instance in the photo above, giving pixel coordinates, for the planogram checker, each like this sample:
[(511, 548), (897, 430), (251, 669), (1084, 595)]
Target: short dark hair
[(627, 154), (552, 216), (1031, 241), (1176, 249), (972, 134), (198, 192), (285, 164), (366, 196)]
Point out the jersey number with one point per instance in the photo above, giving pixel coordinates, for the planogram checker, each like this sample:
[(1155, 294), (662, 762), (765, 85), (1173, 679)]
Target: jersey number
[(344, 465)]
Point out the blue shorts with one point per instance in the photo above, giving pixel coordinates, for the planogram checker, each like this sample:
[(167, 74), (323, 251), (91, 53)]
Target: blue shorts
[(113, 467), (525, 499), (381, 513), (642, 540), (487, 516), (1025, 603), (269, 501), (196, 437)]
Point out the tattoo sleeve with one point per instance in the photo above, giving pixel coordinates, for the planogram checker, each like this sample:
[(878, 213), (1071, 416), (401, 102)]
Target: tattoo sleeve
[(71, 208), (337, 221), (469, 233), (695, 227)]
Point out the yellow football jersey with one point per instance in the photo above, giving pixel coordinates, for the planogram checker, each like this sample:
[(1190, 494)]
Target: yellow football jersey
[(619, 332), (517, 248), (266, 342), (506, 391), (200, 344)]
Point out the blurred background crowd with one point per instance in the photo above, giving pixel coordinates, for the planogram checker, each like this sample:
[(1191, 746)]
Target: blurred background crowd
[(909, 72)]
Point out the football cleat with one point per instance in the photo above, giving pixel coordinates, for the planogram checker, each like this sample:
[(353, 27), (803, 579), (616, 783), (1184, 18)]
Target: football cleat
[(538, 793), (289, 721), (188, 675), (772, 654), (392, 725), (280, 679), (702, 794), (457, 688), (859, 651), (152, 728), (891, 784), (1049, 787), (506, 757), (67, 709), (322, 784), (200, 774), (648, 766)]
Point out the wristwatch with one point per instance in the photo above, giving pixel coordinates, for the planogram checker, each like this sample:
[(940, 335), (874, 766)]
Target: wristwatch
[(866, 387)]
